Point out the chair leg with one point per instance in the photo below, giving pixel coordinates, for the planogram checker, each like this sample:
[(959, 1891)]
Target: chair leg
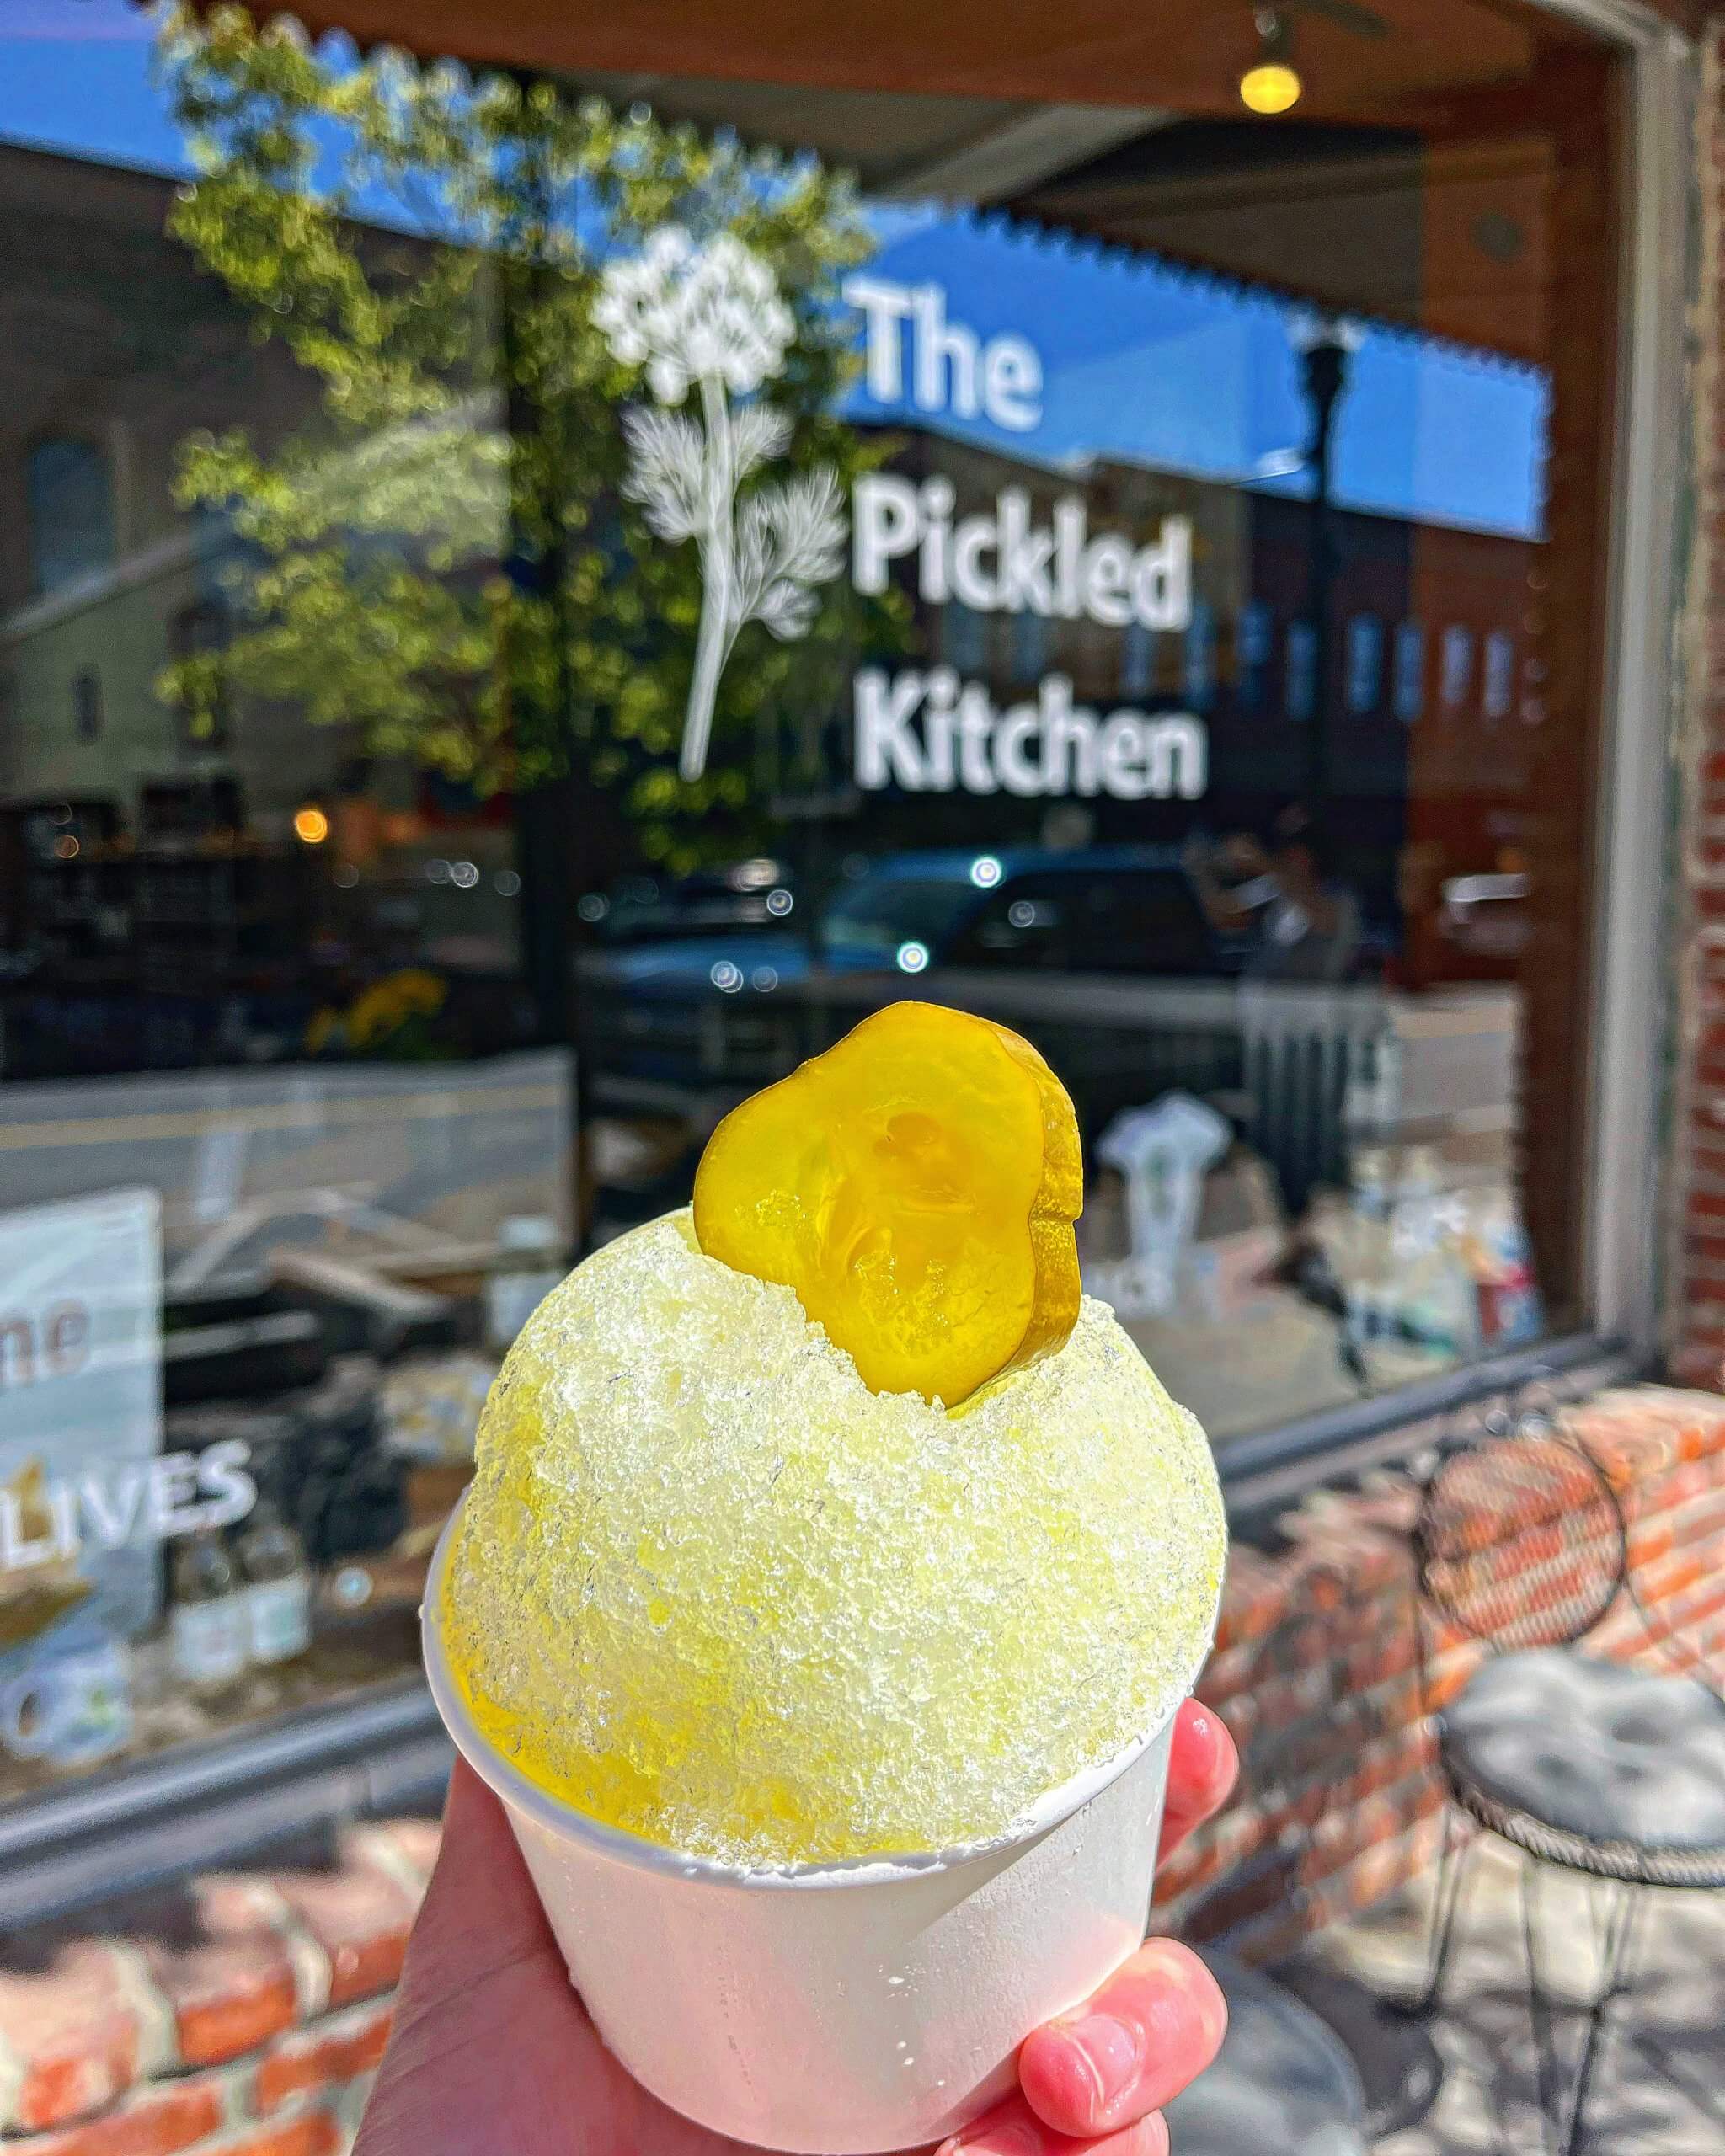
[(1453, 1860), (1539, 2010), (1614, 1936)]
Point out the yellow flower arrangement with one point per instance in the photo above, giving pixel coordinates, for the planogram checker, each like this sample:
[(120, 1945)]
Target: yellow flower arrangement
[(378, 1013)]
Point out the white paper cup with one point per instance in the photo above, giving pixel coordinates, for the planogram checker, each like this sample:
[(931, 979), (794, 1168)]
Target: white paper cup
[(840, 2010)]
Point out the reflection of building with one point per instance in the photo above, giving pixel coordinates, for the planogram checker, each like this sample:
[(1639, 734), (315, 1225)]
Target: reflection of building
[(119, 350), (175, 893), (1432, 678)]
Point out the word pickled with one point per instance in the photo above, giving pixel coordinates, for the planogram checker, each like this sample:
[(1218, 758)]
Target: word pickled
[(1006, 563)]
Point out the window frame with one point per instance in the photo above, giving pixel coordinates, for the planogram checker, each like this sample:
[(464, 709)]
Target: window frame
[(217, 1800)]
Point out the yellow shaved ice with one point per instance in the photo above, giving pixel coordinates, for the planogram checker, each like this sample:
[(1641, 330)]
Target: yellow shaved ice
[(708, 1587)]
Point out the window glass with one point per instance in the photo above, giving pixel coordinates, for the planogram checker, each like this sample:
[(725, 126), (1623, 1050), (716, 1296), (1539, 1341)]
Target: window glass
[(1137, 659), (1457, 661), (530, 605), (1256, 644), (1499, 690), (1299, 669), (1201, 656), (1410, 671), (1365, 664), (69, 512), (1029, 647)]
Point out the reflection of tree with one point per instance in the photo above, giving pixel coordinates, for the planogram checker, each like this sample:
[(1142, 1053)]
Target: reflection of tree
[(457, 561)]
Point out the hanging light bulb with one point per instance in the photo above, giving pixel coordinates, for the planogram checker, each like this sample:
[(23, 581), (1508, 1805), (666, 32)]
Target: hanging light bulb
[(1271, 83)]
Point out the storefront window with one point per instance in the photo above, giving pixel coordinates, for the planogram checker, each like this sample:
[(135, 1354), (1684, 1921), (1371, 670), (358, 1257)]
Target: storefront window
[(532, 604)]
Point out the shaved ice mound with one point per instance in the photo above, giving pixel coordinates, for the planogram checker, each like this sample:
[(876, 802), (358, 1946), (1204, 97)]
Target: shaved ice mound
[(707, 1588)]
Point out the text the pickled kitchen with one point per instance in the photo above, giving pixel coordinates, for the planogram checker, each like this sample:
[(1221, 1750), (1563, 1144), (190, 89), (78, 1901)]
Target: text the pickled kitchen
[(930, 730)]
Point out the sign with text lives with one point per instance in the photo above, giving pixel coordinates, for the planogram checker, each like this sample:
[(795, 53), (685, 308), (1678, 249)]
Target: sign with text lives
[(80, 1412)]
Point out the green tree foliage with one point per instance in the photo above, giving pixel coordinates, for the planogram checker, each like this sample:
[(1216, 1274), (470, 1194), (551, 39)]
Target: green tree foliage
[(448, 562)]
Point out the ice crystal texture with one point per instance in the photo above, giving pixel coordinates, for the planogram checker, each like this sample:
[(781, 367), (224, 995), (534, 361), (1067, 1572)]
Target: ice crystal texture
[(709, 1588)]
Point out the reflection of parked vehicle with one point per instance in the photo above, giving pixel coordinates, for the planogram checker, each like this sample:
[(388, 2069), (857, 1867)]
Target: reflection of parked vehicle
[(728, 1007), (756, 893), (1116, 910)]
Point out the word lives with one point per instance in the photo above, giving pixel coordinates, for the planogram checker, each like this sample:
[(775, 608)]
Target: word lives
[(135, 1500)]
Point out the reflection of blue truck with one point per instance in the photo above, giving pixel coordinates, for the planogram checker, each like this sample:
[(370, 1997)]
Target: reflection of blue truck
[(1102, 955), (735, 1006)]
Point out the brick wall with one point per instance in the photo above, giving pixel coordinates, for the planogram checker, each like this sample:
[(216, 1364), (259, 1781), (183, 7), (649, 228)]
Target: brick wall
[(1317, 1670), (242, 2014)]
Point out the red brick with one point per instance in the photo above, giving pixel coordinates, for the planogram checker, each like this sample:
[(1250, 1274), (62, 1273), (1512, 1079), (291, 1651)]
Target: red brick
[(1668, 1579), (1698, 1523), (316, 2058), (72, 2034), (225, 1969), (1700, 1436), (152, 2122), (1254, 1596), (1446, 1678), (316, 2134), (1680, 1484), (1374, 1873), (1693, 1611), (1656, 1538), (1389, 1653), (1228, 1672), (360, 1917)]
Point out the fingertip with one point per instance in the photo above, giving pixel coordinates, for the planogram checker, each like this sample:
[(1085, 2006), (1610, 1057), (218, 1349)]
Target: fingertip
[(1060, 2082), (1203, 1764), (1154, 2027)]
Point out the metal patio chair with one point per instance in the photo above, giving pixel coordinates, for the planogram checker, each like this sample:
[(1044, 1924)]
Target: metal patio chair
[(1601, 1769), (1283, 2084)]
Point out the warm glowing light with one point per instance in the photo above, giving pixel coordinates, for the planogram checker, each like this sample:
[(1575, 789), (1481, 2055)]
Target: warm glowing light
[(65, 847), (1270, 86), (311, 826)]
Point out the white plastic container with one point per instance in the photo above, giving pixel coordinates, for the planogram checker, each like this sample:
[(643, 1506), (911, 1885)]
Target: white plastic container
[(843, 2010)]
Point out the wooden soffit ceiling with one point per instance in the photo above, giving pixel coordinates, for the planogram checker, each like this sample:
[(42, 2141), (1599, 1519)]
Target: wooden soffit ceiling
[(1413, 185), (1184, 53)]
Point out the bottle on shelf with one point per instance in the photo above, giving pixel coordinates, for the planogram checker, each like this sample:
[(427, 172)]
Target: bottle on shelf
[(206, 1627), (528, 1264), (277, 1587)]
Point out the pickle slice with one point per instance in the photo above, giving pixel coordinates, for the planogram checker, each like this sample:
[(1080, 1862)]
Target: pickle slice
[(916, 1187)]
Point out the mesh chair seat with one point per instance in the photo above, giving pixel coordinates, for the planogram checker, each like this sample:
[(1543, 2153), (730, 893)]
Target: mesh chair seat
[(1282, 2081), (1593, 1765)]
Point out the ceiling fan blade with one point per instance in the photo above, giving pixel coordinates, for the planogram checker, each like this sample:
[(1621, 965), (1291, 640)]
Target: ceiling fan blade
[(1345, 14)]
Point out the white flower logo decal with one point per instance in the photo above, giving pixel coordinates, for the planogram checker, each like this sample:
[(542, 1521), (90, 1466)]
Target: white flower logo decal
[(710, 317)]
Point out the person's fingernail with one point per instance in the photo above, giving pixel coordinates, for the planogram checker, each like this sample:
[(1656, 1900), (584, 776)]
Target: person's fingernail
[(1111, 2049)]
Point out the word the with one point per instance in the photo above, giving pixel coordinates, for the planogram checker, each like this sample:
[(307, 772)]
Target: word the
[(139, 1501), (1004, 563), (1053, 746), (951, 368)]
